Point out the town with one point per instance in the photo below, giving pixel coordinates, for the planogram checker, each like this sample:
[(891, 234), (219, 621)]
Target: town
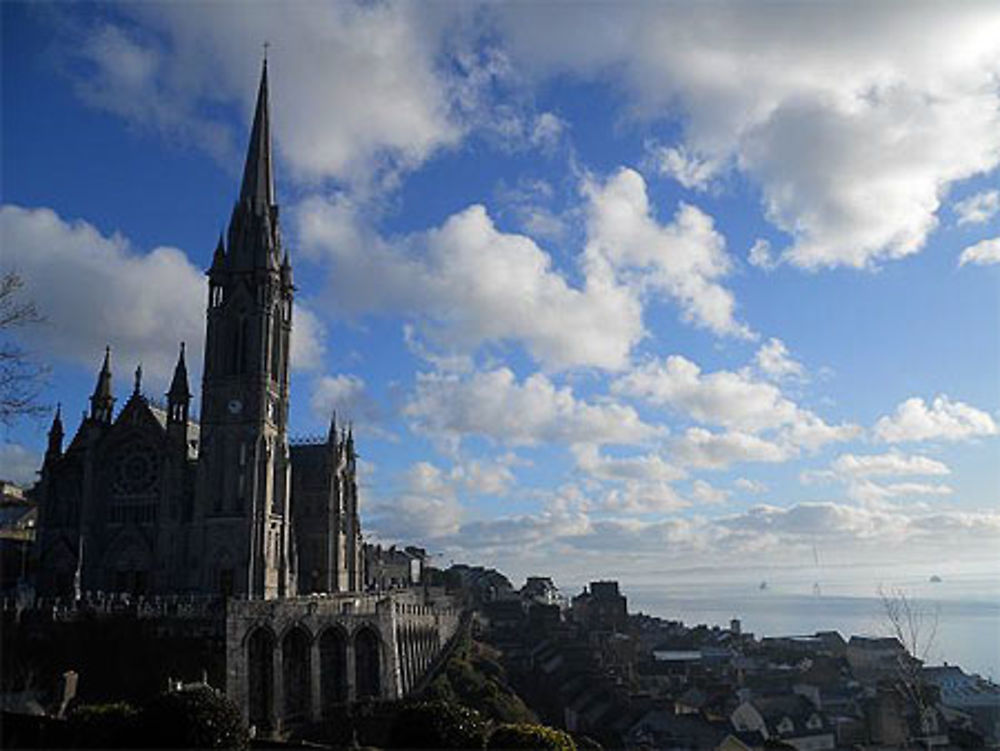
[(582, 664)]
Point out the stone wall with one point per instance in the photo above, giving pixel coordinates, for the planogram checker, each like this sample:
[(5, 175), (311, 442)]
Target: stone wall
[(294, 660)]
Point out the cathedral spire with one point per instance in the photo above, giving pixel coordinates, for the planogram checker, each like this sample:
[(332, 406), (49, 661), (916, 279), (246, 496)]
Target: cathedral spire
[(258, 182), (102, 402), (137, 388)]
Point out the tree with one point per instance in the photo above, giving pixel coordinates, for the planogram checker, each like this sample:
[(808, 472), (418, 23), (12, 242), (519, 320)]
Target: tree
[(192, 718), (437, 724), (916, 629), (528, 735), (21, 378)]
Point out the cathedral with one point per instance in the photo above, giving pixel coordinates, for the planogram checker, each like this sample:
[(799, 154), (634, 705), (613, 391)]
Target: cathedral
[(147, 500)]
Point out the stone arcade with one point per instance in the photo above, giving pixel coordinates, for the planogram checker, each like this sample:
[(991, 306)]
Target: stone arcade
[(150, 503)]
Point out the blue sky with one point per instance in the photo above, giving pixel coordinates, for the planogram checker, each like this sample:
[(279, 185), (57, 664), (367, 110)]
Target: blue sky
[(605, 289)]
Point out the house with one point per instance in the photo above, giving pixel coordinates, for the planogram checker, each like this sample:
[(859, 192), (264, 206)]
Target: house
[(791, 719)]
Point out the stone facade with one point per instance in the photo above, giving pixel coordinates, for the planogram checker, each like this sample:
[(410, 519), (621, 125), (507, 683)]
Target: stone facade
[(149, 501), (291, 661)]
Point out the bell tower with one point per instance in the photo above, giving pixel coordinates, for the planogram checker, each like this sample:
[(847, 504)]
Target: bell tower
[(244, 466)]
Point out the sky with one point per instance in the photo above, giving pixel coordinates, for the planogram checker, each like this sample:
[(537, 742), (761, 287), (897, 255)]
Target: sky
[(632, 290)]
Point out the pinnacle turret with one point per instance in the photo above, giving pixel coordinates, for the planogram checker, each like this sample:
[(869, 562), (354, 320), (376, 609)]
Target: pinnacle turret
[(102, 402), (55, 435), (179, 395)]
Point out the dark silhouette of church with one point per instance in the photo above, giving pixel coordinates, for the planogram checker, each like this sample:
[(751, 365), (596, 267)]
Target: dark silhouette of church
[(149, 501)]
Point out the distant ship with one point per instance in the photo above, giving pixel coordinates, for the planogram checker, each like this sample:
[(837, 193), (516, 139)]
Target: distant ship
[(763, 585), (935, 579)]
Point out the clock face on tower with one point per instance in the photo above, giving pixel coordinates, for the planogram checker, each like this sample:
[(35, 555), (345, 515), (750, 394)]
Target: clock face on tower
[(235, 406)]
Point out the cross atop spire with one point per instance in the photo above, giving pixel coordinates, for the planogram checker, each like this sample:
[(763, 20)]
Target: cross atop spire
[(258, 182)]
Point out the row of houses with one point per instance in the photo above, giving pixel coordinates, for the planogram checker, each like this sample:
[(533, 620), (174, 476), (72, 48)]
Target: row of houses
[(638, 682)]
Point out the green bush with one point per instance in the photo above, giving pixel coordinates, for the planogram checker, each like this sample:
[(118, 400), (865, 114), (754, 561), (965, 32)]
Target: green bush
[(104, 725), (437, 724), (193, 718), (526, 735)]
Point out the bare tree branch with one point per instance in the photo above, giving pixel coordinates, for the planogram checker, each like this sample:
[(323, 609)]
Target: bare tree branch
[(916, 629), (21, 378)]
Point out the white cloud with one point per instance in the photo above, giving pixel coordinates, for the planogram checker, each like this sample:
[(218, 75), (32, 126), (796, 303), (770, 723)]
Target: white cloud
[(683, 259), (943, 419), (690, 170), (468, 284), (347, 395), (978, 208), (425, 507), (750, 486), (568, 543), (388, 106), (649, 468), (19, 464), (495, 405), (856, 471), (95, 290), (983, 253), (850, 124), (892, 463), (867, 491), (734, 400), (705, 493), (773, 359), (760, 255), (704, 449)]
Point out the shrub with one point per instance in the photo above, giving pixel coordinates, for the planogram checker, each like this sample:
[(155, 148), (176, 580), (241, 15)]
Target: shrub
[(526, 735), (194, 718), (104, 725), (437, 724)]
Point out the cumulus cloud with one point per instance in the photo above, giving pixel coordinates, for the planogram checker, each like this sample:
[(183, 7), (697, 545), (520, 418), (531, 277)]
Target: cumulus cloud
[(690, 170), (983, 253), (683, 259), (467, 284), (760, 255), (750, 486), (734, 400), (425, 506), (495, 405), (774, 360), (850, 125), (856, 473), (649, 468), (705, 449), (892, 463), (978, 208), (347, 395), (389, 106), (82, 281), (704, 493), (942, 419)]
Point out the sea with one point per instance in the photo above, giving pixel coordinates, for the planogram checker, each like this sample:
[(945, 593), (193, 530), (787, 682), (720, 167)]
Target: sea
[(959, 615)]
